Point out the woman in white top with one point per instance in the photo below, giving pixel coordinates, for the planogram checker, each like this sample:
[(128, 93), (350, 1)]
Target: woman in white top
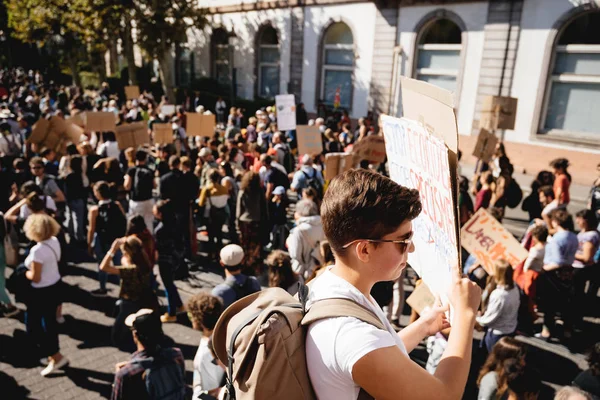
[(367, 221), (42, 265)]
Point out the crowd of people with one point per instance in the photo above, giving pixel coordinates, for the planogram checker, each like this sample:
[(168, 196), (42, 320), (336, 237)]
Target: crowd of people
[(134, 208)]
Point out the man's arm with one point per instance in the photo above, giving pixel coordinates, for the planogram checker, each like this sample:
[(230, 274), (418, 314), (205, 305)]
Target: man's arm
[(127, 182)]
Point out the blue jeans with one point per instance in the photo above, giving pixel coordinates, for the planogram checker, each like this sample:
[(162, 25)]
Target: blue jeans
[(76, 221), (100, 250), (40, 319), (490, 339), (173, 299)]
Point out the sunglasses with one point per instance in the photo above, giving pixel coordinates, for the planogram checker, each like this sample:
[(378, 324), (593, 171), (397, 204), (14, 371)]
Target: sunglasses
[(403, 244)]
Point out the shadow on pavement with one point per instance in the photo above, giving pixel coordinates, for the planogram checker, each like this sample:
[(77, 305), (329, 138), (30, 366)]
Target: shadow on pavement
[(11, 388), (101, 383)]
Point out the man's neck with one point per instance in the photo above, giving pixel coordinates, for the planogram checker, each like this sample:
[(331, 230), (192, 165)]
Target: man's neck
[(229, 273), (351, 276)]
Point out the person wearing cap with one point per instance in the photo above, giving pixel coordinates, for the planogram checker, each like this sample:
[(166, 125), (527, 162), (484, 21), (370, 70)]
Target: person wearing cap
[(208, 163), (306, 172), (152, 365), (278, 217), (237, 284)]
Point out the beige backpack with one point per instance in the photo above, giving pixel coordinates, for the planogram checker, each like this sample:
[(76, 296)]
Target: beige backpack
[(260, 339)]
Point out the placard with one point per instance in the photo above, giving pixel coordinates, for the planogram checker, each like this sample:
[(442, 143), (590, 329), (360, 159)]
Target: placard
[(337, 163), (167, 109), (132, 92), (39, 131), (421, 298), (163, 133), (309, 140), (100, 121), (502, 109), (132, 135), (423, 155), (200, 124), (486, 238), (485, 146), (286, 112), (74, 133), (371, 148)]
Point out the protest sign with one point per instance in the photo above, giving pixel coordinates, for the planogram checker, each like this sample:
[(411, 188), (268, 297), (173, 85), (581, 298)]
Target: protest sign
[(485, 146), (132, 92), (337, 163), (39, 131), (100, 121), (74, 133), (286, 112), (167, 109), (486, 238), (371, 148), (200, 124), (498, 113), (309, 140), (132, 135), (163, 133), (421, 298), (423, 155)]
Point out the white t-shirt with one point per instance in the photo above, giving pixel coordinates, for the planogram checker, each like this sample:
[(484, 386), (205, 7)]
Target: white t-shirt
[(43, 253), (207, 373), (25, 211), (334, 345)]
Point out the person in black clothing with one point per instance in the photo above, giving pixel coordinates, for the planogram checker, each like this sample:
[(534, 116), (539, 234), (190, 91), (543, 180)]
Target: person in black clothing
[(171, 188), (589, 380), (7, 183), (139, 182), (274, 177), (164, 153), (50, 163), (106, 223), (21, 173), (301, 116), (191, 186), (169, 257), (76, 194), (278, 218)]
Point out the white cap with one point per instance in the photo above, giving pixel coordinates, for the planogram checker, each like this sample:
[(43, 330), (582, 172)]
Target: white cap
[(204, 152), (232, 255), (132, 317), (279, 190), (28, 99)]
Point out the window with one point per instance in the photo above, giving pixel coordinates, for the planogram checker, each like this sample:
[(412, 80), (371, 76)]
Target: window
[(438, 54), (338, 65), (268, 63), (220, 56), (573, 91)]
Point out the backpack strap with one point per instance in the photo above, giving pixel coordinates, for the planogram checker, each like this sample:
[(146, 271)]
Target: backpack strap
[(340, 307)]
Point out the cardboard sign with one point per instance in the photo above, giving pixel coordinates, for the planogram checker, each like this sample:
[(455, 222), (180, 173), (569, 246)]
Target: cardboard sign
[(132, 135), (371, 148), (200, 124), (39, 131), (167, 109), (286, 112), (498, 113), (100, 121), (309, 140), (132, 92), (163, 133), (337, 163), (485, 146), (486, 238), (421, 298), (422, 154)]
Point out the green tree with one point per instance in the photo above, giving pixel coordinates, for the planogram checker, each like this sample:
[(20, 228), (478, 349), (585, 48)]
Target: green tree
[(162, 24)]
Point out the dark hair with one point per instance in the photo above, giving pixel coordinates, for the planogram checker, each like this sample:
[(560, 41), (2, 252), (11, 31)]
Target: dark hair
[(214, 176), (540, 232), (561, 163), (35, 202), (250, 182), (589, 217), (562, 218), (28, 187), (326, 253), (103, 189), (141, 155), (364, 204), (522, 380), (45, 151), (205, 309), (506, 349), (136, 225), (72, 150), (280, 270), (227, 167), (266, 159), (164, 208), (19, 163), (547, 190), (76, 164), (109, 136), (593, 359), (174, 162), (463, 183)]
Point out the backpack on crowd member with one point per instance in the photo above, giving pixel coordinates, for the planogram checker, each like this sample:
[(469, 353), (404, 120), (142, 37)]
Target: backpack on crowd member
[(514, 194), (255, 337), (143, 181), (110, 223), (162, 376), (288, 159), (314, 182)]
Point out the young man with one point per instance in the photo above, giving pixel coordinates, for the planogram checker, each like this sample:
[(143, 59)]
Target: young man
[(166, 364), (236, 285), (139, 181), (306, 173), (367, 221)]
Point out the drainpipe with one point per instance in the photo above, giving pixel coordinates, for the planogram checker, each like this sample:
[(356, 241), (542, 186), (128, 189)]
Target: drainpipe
[(504, 62), (393, 93)]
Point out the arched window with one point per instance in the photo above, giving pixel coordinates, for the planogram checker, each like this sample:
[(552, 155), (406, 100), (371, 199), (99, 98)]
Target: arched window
[(338, 65), (573, 91), (220, 56), (438, 53), (268, 63)]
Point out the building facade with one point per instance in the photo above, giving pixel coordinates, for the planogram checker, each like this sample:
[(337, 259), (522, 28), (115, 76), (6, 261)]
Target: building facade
[(546, 53)]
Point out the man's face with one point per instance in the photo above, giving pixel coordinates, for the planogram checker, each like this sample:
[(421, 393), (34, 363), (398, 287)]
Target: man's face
[(543, 199), (37, 169), (391, 258)]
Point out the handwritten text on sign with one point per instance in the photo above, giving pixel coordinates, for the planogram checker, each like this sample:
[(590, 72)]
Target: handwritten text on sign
[(486, 238), (419, 160)]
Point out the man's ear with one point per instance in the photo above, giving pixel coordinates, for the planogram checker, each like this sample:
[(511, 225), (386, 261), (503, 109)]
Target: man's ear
[(363, 251)]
